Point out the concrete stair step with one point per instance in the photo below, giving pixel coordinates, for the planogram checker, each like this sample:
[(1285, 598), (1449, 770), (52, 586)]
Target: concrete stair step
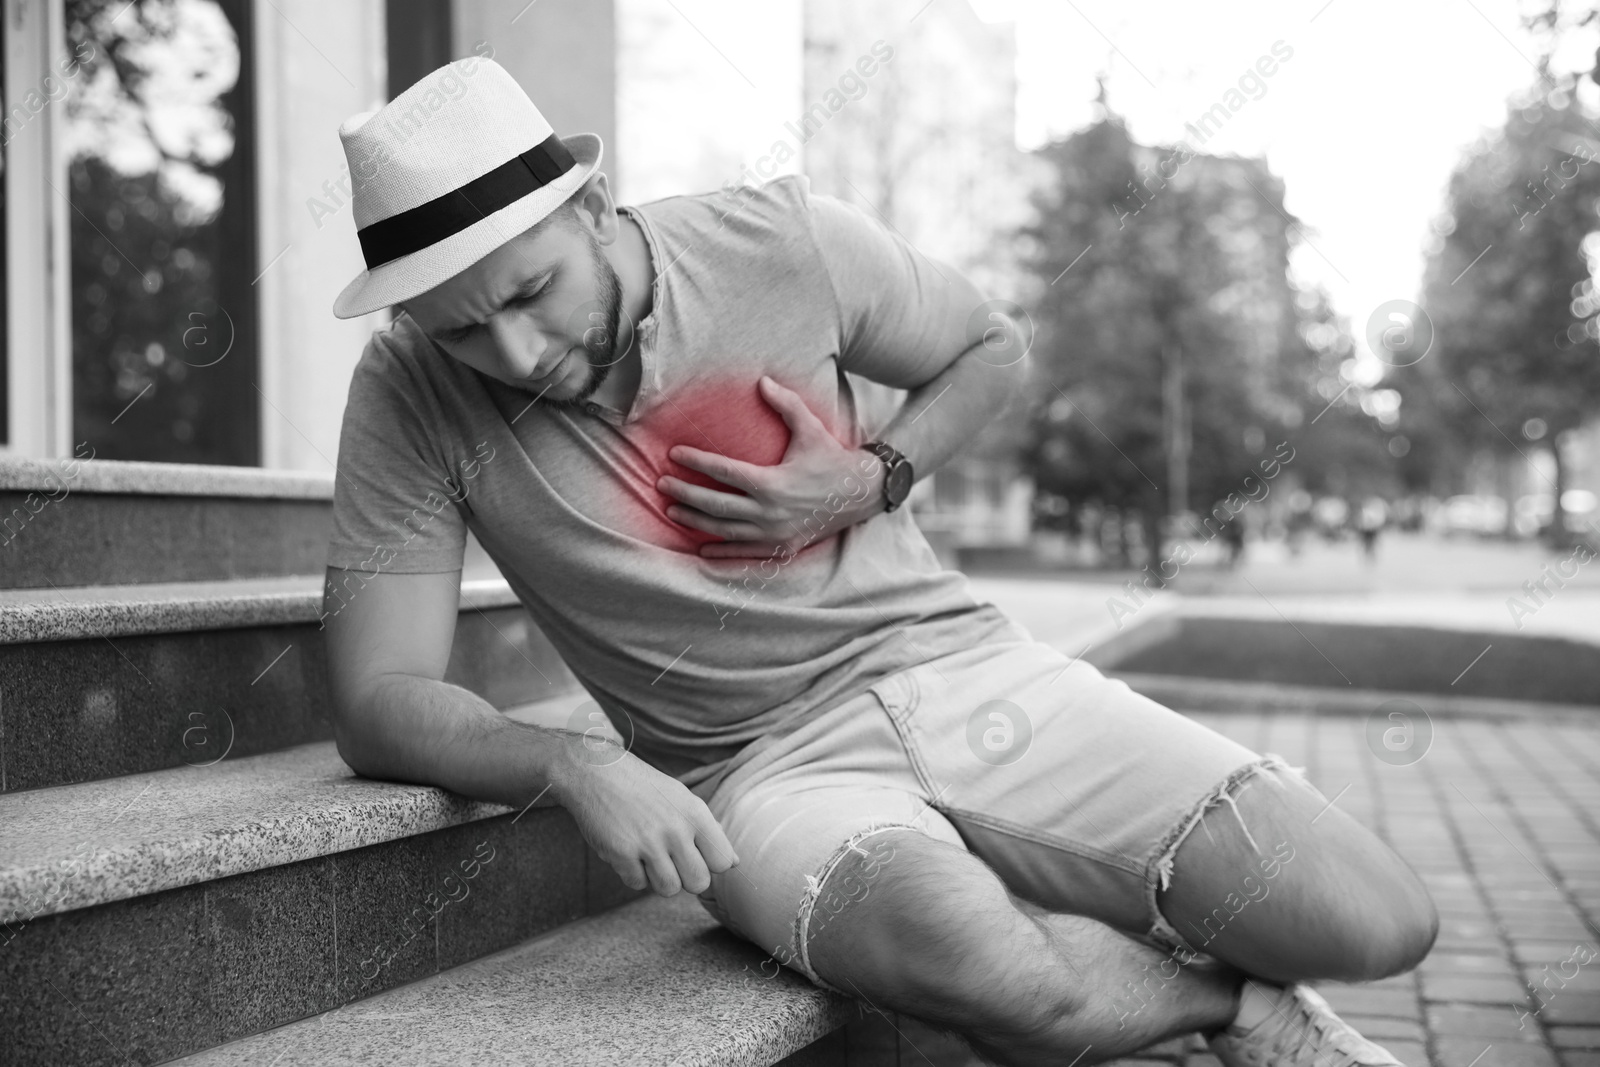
[(97, 842), (93, 522), (123, 679), (156, 915), (654, 982)]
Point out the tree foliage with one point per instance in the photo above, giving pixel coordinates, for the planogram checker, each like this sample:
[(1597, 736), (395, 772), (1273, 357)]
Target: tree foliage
[(1145, 253), (1510, 289)]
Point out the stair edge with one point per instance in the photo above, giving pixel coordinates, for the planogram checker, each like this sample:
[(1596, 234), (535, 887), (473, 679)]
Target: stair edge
[(73, 613)]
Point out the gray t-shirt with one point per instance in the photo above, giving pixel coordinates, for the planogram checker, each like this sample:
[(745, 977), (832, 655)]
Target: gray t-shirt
[(699, 656)]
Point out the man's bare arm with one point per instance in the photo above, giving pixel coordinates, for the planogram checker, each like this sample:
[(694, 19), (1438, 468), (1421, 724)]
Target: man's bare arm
[(983, 363), (395, 717)]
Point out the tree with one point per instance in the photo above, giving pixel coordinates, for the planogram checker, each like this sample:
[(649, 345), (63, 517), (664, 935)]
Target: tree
[(1511, 289), (1146, 257)]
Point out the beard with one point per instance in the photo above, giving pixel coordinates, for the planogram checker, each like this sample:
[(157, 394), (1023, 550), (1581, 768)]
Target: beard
[(599, 344)]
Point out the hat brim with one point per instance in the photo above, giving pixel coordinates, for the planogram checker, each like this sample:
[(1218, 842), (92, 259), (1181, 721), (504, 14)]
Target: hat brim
[(401, 279)]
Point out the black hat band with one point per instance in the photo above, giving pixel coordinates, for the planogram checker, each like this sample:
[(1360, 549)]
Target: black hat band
[(428, 224)]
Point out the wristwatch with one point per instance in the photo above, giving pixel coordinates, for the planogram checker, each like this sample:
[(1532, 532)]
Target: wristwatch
[(897, 482)]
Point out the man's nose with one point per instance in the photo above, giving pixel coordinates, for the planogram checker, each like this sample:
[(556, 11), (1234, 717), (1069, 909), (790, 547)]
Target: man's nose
[(518, 344)]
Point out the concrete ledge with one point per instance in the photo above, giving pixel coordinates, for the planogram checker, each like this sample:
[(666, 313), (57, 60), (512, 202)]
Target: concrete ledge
[(160, 479), (91, 843), (1573, 614), (1071, 614), (653, 982), (1210, 694), (1371, 655), (1109, 646), (29, 615)]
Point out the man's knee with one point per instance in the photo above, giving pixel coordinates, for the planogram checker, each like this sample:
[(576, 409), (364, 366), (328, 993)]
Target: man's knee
[(1343, 905), (1402, 939), (1385, 932), (888, 909)]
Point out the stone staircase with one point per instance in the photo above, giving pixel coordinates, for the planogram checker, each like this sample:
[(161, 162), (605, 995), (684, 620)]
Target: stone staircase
[(187, 868)]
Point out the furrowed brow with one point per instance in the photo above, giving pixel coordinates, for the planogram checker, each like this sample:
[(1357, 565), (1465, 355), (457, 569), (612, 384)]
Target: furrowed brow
[(522, 292), (526, 289)]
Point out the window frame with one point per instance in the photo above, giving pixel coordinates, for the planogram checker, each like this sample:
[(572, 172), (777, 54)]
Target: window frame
[(38, 362)]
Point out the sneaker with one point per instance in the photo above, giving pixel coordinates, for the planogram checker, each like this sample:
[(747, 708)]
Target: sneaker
[(1302, 1032)]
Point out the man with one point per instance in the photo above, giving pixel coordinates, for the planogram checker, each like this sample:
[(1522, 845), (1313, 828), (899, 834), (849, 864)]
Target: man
[(649, 418)]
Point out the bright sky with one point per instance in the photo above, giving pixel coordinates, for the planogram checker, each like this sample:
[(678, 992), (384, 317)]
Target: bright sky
[(1364, 123)]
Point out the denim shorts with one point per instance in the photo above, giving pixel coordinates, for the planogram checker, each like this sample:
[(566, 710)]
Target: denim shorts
[(1073, 788)]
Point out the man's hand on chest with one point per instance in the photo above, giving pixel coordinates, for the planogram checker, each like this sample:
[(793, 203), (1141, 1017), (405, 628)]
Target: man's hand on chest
[(819, 488)]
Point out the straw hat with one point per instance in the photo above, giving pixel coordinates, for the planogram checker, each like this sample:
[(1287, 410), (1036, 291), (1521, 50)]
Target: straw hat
[(445, 173)]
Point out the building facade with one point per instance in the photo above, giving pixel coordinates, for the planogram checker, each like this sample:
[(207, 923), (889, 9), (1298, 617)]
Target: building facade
[(177, 217)]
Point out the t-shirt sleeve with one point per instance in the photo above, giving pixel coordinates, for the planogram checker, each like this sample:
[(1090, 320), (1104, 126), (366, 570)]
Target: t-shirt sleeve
[(897, 322), (393, 505)]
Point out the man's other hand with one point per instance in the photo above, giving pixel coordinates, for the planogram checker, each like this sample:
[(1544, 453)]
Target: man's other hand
[(648, 826)]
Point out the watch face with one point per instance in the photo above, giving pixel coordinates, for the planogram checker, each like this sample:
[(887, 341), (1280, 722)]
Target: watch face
[(898, 483)]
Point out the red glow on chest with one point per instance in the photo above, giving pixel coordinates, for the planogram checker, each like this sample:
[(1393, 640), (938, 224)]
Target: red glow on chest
[(729, 419)]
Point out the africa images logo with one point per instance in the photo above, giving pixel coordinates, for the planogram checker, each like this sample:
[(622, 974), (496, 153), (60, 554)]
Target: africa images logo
[(999, 733)]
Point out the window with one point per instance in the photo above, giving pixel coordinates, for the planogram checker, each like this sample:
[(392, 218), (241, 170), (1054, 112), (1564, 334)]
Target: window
[(159, 138), (5, 369)]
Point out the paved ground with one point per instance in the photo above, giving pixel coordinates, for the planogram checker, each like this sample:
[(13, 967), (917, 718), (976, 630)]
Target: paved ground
[(1502, 819)]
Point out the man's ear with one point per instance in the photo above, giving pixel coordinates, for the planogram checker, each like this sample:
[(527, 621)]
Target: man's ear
[(595, 210)]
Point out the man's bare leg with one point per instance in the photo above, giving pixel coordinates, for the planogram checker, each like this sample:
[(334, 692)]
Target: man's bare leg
[(1344, 907), (937, 935)]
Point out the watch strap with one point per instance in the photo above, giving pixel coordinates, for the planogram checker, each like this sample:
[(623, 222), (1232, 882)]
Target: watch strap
[(885, 451), (892, 459)]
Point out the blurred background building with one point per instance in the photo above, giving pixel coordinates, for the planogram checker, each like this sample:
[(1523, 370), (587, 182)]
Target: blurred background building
[(929, 148)]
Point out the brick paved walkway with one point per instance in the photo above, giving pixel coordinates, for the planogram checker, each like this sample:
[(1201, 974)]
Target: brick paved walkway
[(1502, 820)]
